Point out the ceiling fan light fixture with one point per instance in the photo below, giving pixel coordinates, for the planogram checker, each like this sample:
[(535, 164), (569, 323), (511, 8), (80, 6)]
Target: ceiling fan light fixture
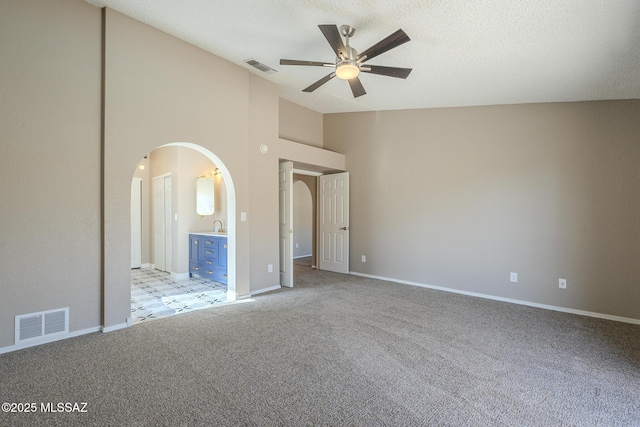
[(347, 71)]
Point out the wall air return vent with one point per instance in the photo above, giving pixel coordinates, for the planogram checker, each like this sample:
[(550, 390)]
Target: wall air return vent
[(260, 66), (41, 327)]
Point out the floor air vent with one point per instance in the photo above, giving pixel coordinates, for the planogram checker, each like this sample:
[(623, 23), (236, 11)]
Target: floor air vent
[(42, 327)]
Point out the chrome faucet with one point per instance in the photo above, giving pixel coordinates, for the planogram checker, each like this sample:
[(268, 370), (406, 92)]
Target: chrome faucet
[(221, 230)]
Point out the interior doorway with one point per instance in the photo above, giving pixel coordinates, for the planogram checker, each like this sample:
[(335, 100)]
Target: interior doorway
[(304, 198), (304, 219), (167, 179)]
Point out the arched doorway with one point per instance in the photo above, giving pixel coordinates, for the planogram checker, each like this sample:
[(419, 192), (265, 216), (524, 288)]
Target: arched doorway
[(168, 288), (303, 223)]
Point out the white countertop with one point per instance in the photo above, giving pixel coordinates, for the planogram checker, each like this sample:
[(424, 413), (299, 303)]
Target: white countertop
[(209, 233)]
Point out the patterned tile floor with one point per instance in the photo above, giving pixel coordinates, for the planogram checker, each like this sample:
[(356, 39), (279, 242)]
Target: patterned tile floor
[(155, 294)]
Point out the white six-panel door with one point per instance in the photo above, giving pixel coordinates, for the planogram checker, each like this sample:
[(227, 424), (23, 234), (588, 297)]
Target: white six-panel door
[(333, 222), (285, 179)]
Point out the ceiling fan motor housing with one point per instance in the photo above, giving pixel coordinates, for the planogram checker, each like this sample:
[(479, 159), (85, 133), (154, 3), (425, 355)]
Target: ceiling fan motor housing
[(352, 54)]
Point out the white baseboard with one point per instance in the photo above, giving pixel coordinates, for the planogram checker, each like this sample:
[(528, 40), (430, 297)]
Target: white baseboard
[(302, 256), (46, 341), (179, 276), (11, 348), (260, 291), (128, 323), (232, 296), (146, 265), (513, 301)]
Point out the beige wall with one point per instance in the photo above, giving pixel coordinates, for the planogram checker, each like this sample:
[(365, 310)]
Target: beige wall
[(159, 90), (263, 113), (56, 152), (461, 197), (300, 124), (50, 161)]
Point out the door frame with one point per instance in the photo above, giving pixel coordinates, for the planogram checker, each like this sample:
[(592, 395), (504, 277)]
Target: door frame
[(285, 200), (136, 222), (316, 246)]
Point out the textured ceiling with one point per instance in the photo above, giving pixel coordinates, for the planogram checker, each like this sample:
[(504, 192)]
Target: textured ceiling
[(462, 52)]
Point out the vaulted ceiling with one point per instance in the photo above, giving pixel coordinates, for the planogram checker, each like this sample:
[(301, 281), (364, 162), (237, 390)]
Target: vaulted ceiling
[(462, 52)]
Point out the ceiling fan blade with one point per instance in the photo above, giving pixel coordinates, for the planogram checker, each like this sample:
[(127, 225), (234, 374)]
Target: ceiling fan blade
[(332, 35), (312, 63), (356, 87), (319, 83), (401, 73), (394, 40)]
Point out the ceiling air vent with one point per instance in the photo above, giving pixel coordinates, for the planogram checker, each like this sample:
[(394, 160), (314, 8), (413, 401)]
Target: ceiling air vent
[(260, 66)]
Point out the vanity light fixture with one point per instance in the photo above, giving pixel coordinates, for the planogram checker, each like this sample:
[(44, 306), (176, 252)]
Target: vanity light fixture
[(216, 172)]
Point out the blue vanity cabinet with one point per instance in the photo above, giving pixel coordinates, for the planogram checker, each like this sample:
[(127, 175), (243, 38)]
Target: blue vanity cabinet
[(208, 257)]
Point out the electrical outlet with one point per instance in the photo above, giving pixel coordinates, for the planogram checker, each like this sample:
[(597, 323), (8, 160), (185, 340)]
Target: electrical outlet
[(364, 258), (270, 268), (513, 277), (562, 283)]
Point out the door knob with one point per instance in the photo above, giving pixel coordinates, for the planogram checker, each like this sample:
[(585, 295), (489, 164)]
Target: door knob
[(344, 228)]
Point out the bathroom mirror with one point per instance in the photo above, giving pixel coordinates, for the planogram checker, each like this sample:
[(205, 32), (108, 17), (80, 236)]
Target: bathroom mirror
[(204, 196)]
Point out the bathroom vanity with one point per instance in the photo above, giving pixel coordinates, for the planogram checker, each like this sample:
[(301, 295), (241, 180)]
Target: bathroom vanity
[(208, 256)]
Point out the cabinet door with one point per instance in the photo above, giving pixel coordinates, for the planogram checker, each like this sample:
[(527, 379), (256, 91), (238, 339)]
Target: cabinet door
[(194, 248), (221, 273), (194, 255), (222, 253)]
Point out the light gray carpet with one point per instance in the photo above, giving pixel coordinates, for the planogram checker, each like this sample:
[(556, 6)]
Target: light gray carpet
[(306, 261), (340, 350)]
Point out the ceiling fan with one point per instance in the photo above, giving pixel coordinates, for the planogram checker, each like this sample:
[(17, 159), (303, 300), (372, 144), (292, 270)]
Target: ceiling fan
[(349, 63)]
